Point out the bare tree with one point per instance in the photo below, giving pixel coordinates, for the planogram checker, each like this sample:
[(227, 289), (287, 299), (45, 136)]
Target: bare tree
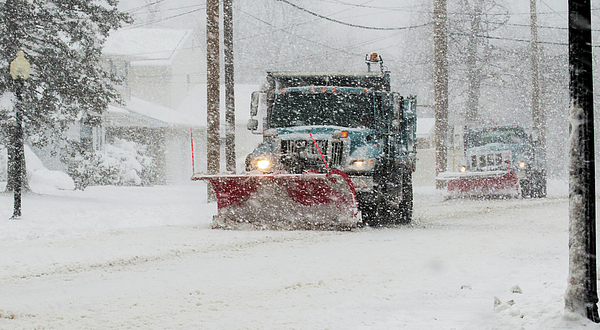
[(470, 48)]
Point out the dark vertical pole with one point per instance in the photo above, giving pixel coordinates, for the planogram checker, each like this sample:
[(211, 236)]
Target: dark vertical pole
[(473, 72), (229, 85), (213, 149), (581, 295), (19, 153), (539, 119), (440, 82)]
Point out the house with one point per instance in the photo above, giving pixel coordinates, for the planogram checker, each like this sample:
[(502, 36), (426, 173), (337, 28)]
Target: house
[(165, 100), (426, 164), (169, 133), (160, 65)]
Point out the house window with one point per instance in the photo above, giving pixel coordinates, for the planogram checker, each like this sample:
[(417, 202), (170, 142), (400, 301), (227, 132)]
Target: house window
[(86, 137), (90, 131)]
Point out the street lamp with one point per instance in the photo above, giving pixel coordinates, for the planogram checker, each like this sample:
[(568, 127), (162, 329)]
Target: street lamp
[(19, 70)]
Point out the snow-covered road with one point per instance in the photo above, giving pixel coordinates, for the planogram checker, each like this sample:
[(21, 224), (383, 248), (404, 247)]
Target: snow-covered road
[(146, 258)]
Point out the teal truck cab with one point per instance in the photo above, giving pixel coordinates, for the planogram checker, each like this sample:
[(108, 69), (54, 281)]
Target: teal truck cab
[(499, 160)]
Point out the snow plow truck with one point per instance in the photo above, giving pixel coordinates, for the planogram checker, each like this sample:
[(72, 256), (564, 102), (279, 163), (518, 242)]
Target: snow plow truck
[(338, 152), (499, 161)]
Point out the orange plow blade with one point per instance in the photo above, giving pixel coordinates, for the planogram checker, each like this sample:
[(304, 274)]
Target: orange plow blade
[(284, 201)]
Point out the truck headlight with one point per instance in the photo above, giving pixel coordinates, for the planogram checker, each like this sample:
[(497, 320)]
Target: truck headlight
[(522, 164), (261, 164), (462, 169), (358, 163), (361, 165)]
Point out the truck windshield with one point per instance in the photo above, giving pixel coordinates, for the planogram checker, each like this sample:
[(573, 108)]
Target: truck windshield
[(337, 109), (481, 138)]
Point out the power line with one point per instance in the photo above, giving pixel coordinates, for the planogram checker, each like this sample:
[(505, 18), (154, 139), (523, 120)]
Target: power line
[(404, 9), (350, 24), (132, 10), (318, 54), (133, 26), (539, 26), (557, 13), (278, 29), (373, 7), (514, 39)]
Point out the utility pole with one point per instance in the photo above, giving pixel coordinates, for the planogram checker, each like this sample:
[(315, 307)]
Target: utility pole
[(213, 148), (581, 296), (229, 85), (539, 118), (440, 82), (473, 72)]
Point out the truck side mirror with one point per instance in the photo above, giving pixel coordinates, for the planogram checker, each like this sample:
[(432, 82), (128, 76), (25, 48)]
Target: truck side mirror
[(254, 103), (252, 124)]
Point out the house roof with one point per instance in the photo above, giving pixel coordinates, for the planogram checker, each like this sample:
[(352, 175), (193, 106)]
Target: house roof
[(139, 113), (194, 104), (192, 112), (425, 127), (146, 46)]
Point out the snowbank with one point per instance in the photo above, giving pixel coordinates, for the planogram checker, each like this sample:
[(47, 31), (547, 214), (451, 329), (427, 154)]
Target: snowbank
[(42, 180)]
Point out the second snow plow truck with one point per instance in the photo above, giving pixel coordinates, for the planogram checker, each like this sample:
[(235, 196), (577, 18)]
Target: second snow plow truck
[(338, 151), (500, 160)]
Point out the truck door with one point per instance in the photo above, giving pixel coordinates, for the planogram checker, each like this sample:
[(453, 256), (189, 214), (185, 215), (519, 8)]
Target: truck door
[(409, 120)]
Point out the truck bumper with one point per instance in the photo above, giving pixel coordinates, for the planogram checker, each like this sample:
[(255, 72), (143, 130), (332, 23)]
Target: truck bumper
[(481, 183), (362, 183)]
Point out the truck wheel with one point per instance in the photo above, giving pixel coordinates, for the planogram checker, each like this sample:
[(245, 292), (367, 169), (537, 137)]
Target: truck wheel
[(406, 205), (539, 190), (383, 206), (396, 205), (525, 188), (367, 205), (390, 208)]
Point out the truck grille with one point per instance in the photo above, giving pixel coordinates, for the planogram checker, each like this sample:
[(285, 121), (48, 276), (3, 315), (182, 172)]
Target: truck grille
[(303, 146), (489, 162), (335, 157), (298, 156)]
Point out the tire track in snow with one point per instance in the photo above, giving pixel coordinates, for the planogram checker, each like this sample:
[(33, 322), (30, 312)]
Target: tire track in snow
[(451, 212), (211, 245)]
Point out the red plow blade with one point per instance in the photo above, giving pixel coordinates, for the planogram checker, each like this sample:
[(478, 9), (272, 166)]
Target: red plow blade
[(284, 201), (485, 183)]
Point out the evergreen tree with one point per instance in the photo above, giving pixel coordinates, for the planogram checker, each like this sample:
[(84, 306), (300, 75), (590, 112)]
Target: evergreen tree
[(62, 40)]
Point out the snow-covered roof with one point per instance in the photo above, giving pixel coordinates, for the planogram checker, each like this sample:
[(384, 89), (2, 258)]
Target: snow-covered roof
[(192, 112), (194, 105), (146, 46), (425, 127), (137, 112)]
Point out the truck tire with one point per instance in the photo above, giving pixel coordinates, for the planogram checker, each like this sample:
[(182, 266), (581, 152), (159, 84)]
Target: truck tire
[(391, 202), (534, 186), (395, 206), (406, 205), (539, 187), (390, 208), (367, 205), (382, 206), (525, 188)]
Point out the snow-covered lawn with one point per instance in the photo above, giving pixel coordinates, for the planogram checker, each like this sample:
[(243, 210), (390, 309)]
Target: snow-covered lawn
[(146, 258)]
